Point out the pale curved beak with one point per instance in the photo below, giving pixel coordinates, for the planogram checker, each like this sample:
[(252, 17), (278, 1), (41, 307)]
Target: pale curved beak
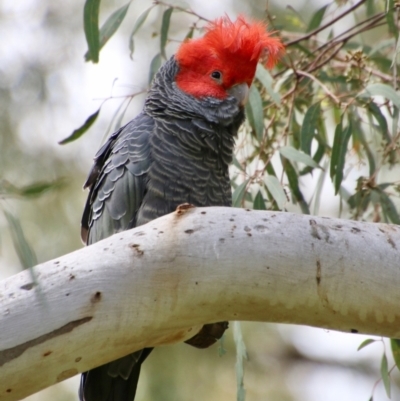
[(240, 92)]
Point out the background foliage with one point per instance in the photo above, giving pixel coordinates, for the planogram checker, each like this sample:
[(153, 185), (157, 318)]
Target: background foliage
[(321, 137)]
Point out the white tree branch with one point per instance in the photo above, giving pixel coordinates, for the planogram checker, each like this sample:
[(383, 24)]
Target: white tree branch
[(158, 284)]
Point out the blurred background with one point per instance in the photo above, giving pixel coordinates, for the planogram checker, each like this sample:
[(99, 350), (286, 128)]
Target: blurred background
[(46, 91)]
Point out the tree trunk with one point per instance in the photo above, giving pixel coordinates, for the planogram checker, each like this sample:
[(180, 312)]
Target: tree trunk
[(158, 283)]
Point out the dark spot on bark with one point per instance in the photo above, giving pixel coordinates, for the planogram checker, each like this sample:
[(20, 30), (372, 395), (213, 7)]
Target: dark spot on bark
[(249, 234), (8, 390), (267, 267), (203, 212), (338, 226), (260, 227), (247, 229), (248, 210), (189, 231), (105, 249), (264, 219), (57, 262), (181, 209), (391, 242), (47, 353), (318, 276), (137, 249), (67, 294), (161, 232), (354, 331), (71, 276), (96, 297), (355, 230), (197, 282), (314, 230), (66, 374), (139, 234), (231, 219), (9, 354), (222, 240), (27, 287), (78, 359)]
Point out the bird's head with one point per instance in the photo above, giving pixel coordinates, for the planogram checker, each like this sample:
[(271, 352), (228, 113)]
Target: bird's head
[(223, 62)]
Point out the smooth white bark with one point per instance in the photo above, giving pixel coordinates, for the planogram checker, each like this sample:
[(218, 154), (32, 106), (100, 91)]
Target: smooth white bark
[(158, 283)]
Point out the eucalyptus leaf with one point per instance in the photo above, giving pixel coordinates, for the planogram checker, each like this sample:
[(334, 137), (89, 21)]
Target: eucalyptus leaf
[(82, 129), (263, 75), (110, 26), (276, 190), (166, 19), (91, 28), (139, 22), (297, 156), (382, 90)]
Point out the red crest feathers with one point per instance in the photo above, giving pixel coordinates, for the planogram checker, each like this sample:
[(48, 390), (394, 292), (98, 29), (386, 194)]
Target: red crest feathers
[(231, 47)]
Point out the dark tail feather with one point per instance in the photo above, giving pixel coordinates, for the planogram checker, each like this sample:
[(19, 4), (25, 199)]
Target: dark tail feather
[(115, 381)]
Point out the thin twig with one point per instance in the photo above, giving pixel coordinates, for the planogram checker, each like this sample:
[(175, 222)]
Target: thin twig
[(324, 87), (321, 28)]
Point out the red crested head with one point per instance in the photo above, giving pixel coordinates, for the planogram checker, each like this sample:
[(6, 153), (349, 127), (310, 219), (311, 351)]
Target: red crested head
[(227, 55)]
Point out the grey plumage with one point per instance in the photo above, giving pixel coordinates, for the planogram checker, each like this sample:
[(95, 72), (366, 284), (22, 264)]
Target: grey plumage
[(177, 150)]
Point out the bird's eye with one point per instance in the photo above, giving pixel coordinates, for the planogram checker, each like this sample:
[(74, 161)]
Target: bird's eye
[(217, 75)]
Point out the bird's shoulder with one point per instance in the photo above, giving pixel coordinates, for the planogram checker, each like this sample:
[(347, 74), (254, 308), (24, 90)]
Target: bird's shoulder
[(117, 180)]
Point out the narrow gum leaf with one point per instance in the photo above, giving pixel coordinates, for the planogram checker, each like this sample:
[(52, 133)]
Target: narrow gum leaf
[(154, 66), (385, 374), (82, 129), (166, 19), (91, 28), (365, 343), (257, 115), (309, 126), (276, 190), (266, 80), (110, 26), (139, 22), (239, 193), (259, 203), (317, 18), (395, 345), (297, 156), (382, 90)]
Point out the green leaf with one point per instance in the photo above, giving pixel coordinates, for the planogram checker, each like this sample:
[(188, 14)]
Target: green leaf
[(82, 129), (259, 203), (297, 156), (276, 190), (395, 345), (365, 343), (309, 127), (241, 354), (154, 66), (263, 75), (385, 374), (110, 26), (339, 151), (139, 22), (166, 19), (316, 19), (390, 18), (381, 119), (382, 90), (91, 28), (388, 208), (297, 195), (396, 53), (28, 191), (24, 251), (255, 112), (239, 193)]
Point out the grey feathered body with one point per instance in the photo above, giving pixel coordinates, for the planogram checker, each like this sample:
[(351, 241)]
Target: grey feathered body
[(177, 150)]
